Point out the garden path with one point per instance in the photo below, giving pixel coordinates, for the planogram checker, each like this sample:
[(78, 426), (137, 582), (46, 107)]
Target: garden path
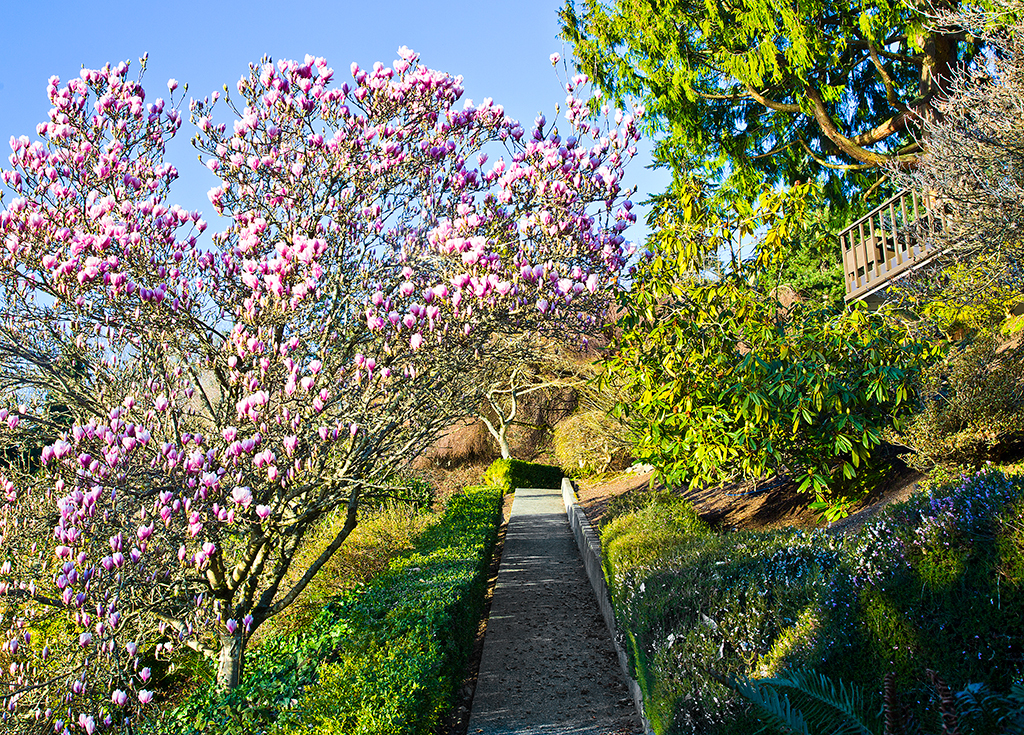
[(548, 662)]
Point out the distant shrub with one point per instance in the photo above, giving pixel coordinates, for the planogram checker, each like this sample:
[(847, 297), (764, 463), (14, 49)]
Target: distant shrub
[(510, 474), (460, 444), (591, 442), (972, 409)]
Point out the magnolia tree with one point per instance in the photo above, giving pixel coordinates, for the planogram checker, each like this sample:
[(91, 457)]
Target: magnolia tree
[(219, 398)]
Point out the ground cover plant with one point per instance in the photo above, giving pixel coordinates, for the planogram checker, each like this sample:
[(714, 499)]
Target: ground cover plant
[(383, 657), (217, 399), (934, 583)]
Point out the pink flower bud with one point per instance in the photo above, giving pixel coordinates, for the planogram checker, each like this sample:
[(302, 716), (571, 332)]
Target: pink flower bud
[(145, 696), (87, 723), (242, 495)]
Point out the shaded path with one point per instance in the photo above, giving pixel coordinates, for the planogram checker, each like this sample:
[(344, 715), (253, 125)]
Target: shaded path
[(548, 663)]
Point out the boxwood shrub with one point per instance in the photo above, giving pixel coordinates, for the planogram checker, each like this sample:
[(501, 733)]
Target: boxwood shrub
[(386, 657), (510, 474)]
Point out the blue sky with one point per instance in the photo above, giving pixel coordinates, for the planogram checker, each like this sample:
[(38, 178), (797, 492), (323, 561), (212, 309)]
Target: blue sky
[(501, 49)]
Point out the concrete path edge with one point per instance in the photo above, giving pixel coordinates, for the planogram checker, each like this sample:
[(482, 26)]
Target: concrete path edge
[(590, 550)]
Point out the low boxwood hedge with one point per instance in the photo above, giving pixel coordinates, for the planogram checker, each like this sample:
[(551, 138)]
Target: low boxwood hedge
[(510, 474), (386, 657)]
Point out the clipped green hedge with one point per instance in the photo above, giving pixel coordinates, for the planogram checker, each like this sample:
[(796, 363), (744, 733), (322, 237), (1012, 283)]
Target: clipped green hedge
[(385, 658), (509, 474), (933, 583)]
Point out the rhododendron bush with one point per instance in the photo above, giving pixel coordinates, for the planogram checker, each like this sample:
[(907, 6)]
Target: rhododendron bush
[(218, 397)]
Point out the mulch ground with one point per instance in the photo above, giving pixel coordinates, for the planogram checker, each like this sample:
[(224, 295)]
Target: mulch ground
[(770, 504)]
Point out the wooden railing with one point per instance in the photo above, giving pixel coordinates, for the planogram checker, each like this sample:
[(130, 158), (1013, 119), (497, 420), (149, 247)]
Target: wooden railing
[(892, 239)]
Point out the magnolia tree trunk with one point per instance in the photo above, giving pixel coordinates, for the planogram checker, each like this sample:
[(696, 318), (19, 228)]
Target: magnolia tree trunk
[(230, 660)]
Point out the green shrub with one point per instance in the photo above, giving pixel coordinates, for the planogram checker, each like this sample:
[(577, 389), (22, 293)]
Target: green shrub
[(591, 442), (510, 474), (972, 408), (385, 657)]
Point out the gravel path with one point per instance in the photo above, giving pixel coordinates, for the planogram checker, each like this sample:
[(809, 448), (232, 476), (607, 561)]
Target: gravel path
[(548, 663)]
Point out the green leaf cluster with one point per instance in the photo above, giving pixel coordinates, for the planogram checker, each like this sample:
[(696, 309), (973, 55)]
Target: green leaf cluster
[(722, 381)]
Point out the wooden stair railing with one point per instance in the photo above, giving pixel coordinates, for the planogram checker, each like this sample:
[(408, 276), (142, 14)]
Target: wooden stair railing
[(890, 240)]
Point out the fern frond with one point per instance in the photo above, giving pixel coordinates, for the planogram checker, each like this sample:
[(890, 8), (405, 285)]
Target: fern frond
[(826, 707), (773, 707)]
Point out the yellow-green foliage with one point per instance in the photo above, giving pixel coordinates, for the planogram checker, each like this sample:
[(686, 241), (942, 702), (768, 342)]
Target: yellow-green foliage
[(794, 648), (660, 530), (589, 443), (404, 639), (1010, 542), (509, 474)]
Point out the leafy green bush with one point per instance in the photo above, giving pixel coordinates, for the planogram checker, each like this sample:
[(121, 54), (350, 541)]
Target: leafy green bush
[(385, 657), (721, 381), (934, 583), (591, 442), (510, 474), (972, 408)]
